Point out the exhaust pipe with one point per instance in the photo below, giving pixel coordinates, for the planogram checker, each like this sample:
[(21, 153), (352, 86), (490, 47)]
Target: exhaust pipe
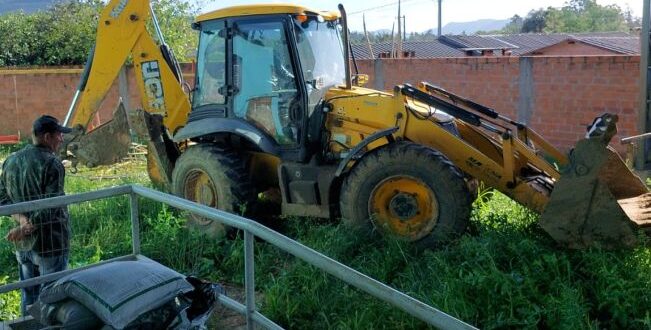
[(344, 23)]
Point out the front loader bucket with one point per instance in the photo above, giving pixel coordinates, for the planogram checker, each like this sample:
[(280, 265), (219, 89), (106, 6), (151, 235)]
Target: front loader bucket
[(598, 201), (105, 145)]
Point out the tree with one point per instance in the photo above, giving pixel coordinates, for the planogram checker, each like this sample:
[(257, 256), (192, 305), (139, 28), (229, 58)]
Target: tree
[(69, 32), (59, 36), (632, 22), (175, 18), (575, 16), (514, 26), (535, 21), (64, 33), (585, 16)]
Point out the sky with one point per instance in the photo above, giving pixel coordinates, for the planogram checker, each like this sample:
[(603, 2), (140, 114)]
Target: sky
[(422, 15)]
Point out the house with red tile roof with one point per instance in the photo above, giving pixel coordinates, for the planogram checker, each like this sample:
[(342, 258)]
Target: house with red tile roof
[(530, 44)]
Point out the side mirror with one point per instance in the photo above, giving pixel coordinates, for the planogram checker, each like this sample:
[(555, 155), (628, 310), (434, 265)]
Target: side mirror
[(360, 80)]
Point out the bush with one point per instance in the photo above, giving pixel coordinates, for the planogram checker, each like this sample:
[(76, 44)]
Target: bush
[(62, 35), (65, 33)]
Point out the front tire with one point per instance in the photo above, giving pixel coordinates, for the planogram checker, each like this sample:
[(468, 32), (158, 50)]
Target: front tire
[(407, 191), (216, 177)]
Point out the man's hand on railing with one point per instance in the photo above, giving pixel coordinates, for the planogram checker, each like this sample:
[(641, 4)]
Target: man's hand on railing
[(24, 229), (16, 234)]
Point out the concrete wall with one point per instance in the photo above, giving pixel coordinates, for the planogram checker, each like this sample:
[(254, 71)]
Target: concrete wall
[(557, 96)]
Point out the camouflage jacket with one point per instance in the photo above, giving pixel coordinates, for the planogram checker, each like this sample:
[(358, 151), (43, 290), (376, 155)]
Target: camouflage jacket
[(32, 173)]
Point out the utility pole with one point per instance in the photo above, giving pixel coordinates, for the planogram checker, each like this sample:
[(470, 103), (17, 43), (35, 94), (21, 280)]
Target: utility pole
[(399, 55), (439, 32), (643, 158), (393, 40), (404, 28), (368, 41)]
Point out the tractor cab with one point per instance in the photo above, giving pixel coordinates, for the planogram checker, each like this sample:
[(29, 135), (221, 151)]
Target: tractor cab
[(262, 72)]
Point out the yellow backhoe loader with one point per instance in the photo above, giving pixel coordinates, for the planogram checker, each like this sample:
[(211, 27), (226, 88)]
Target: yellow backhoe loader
[(274, 105)]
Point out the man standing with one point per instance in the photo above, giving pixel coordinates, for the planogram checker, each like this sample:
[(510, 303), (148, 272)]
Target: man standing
[(42, 236)]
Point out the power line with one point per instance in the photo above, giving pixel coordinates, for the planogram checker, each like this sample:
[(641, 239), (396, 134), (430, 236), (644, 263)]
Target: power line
[(380, 7)]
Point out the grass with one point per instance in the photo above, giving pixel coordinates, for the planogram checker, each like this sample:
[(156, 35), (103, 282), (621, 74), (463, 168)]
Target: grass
[(504, 273)]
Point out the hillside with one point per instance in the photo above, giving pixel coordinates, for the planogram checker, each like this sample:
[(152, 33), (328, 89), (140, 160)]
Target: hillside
[(474, 26)]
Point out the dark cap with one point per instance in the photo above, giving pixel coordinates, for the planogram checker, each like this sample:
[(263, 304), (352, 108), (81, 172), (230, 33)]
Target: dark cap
[(48, 124)]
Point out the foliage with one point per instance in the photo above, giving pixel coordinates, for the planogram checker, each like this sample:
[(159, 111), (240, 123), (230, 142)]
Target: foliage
[(8, 149), (175, 18), (64, 33), (585, 16), (535, 21), (514, 26), (9, 302), (575, 16), (373, 36)]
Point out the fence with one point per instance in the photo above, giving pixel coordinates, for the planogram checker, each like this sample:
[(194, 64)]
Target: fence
[(251, 230)]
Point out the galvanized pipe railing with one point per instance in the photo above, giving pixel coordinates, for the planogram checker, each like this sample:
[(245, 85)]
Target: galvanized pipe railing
[(632, 139), (251, 229)]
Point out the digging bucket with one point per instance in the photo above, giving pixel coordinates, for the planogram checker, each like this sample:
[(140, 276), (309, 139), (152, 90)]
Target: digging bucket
[(105, 145), (598, 201)]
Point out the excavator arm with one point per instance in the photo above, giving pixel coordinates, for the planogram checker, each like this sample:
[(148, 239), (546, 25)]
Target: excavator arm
[(122, 34)]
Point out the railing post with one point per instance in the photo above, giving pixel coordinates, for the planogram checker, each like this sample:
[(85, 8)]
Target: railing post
[(135, 223), (249, 278)]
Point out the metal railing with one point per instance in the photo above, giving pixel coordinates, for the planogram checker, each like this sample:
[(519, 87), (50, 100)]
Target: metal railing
[(251, 230)]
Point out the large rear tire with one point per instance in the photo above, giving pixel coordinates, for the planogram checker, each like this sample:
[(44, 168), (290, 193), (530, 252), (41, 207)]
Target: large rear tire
[(216, 177), (407, 191)]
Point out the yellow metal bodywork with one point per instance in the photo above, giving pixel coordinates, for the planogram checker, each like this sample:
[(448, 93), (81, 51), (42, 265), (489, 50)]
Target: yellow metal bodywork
[(495, 160), (121, 33), (594, 201), (360, 112), (265, 9)]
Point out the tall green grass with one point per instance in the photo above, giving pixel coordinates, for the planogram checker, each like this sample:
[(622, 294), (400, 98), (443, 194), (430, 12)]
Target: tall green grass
[(504, 273)]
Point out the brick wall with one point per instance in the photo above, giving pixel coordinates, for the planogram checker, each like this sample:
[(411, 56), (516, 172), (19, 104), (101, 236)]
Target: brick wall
[(25, 94), (572, 48), (557, 96), (560, 95)]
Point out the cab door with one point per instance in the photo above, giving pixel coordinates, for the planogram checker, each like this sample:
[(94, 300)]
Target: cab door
[(268, 91)]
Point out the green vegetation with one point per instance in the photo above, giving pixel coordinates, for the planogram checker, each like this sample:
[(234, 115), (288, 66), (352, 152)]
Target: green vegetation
[(65, 33), (505, 273), (574, 16)]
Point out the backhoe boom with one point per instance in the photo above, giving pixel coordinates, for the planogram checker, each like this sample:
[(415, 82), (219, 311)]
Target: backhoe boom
[(122, 34)]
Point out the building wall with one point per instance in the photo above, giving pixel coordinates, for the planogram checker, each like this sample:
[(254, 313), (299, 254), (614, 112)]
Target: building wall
[(560, 95), (557, 96), (572, 48), (25, 94)]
